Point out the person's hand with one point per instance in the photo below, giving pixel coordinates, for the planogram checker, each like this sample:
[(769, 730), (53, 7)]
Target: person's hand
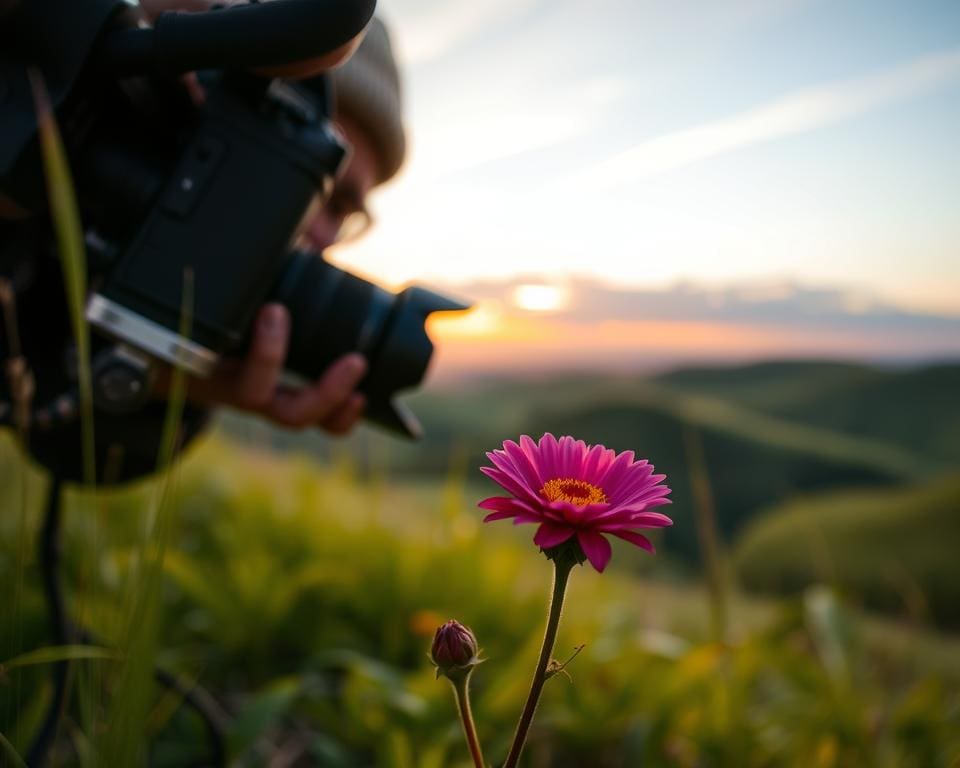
[(252, 384)]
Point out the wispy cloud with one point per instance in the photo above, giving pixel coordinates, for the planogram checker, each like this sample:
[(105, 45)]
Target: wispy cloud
[(797, 112), (440, 28), (607, 327), (776, 303), (482, 139)]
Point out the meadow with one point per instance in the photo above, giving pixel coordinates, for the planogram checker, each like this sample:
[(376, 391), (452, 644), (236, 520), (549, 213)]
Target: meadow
[(302, 581)]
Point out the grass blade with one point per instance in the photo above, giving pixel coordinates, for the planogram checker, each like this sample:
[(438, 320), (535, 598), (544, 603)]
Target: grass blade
[(15, 760), (55, 653), (125, 739), (66, 222)]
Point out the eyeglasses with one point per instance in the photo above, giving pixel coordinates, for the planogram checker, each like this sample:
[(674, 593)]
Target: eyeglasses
[(347, 204)]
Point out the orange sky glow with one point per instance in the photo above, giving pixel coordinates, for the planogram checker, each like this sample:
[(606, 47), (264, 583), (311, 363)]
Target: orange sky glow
[(498, 342)]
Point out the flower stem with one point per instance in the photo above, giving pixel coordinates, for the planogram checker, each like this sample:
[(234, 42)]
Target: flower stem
[(561, 574), (462, 688)]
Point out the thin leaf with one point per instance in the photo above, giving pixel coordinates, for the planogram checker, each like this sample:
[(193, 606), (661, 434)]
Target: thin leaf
[(66, 222), (56, 653), (263, 712), (125, 740), (11, 753)]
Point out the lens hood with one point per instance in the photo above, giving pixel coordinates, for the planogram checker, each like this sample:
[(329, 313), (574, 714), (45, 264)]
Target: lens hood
[(334, 312)]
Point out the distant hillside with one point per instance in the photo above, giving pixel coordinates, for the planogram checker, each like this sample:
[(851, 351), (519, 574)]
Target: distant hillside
[(916, 408), (770, 432), (893, 551), (748, 471)]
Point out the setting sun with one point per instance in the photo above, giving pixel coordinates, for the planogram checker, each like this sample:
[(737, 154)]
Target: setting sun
[(540, 298)]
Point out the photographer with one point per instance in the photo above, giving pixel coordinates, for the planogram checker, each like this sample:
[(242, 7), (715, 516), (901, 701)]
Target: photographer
[(367, 109), (368, 112)]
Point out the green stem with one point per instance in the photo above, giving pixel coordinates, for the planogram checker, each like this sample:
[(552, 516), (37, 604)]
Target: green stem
[(462, 688), (561, 574)]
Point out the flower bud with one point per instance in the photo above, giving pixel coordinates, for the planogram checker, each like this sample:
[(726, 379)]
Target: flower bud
[(454, 649)]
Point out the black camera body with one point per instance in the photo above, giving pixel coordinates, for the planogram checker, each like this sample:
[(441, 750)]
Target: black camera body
[(218, 192), (258, 154)]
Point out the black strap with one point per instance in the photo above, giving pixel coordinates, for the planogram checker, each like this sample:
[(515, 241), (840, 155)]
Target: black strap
[(236, 36)]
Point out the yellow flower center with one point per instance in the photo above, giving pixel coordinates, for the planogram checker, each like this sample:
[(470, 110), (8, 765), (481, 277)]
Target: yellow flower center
[(577, 492)]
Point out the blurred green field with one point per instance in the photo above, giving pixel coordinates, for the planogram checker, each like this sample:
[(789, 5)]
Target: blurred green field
[(304, 595), (772, 434), (896, 551)]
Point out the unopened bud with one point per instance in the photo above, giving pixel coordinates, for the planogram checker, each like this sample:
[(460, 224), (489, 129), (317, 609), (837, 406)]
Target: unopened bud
[(454, 650)]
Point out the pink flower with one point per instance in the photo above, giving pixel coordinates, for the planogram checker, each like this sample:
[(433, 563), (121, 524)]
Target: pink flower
[(572, 489)]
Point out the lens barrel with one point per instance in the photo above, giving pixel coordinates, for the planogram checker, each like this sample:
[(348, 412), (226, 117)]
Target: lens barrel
[(334, 312)]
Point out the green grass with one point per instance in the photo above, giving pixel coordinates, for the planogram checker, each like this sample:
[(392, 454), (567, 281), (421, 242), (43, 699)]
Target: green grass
[(110, 729), (754, 459), (305, 598), (890, 550)]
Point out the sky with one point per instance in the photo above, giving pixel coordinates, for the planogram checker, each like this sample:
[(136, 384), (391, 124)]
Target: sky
[(642, 149)]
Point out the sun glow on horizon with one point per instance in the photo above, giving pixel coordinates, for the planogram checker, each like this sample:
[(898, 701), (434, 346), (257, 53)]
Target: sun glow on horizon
[(715, 155), (535, 297), (484, 320)]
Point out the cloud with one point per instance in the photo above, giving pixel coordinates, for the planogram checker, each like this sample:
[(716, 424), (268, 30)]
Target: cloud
[(605, 327), (482, 139), (442, 28), (798, 112), (775, 304)]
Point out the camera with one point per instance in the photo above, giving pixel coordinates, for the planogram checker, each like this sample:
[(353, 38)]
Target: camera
[(166, 188)]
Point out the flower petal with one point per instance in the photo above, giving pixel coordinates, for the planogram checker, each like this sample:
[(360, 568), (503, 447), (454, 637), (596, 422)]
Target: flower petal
[(519, 514), (635, 538), (576, 513), (524, 517), (572, 453), (508, 483), (596, 548), (657, 503), (595, 463), (613, 477), (652, 520), (502, 461), (642, 495), (634, 520), (549, 456), (503, 507), (504, 503), (549, 535), (526, 468), (625, 517), (636, 477), (532, 452)]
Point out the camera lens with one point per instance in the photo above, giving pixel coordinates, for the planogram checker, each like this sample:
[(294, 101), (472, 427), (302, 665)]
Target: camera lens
[(334, 312)]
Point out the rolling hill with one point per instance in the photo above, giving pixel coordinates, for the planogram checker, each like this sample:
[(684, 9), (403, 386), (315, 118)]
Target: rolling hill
[(770, 432)]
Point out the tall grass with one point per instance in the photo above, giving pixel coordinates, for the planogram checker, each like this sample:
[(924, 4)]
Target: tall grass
[(70, 248), (114, 735), (21, 390), (890, 550), (306, 599), (708, 534), (133, 694)]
